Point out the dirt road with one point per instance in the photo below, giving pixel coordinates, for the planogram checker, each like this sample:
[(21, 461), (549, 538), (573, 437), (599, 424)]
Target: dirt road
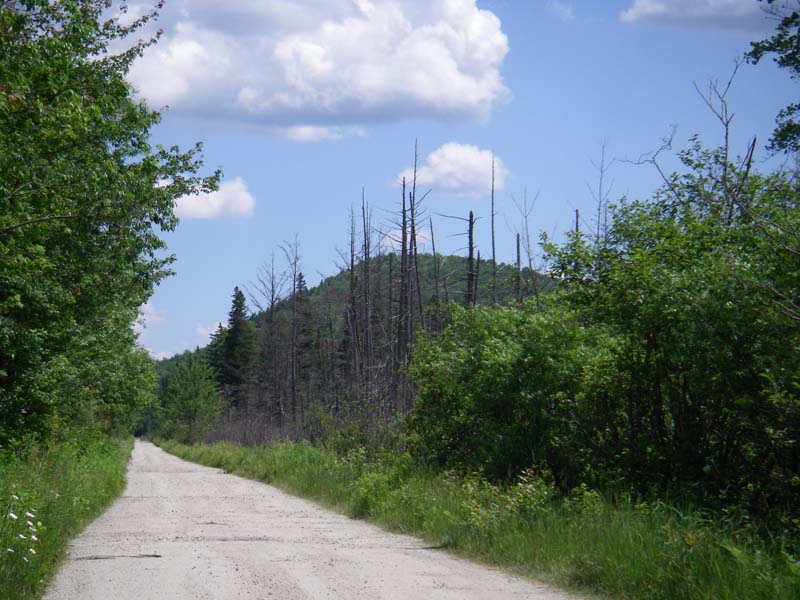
[(182, 531)]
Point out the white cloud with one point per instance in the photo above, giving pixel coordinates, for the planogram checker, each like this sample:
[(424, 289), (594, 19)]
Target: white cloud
[(232, 200), (308, 68), (561, 9), (315, 133), (459, 170), (720, 13)]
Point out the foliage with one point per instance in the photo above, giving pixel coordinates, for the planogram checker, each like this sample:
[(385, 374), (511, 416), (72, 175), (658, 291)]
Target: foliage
[(299, 361), (580, 539), (83, 193), (232, 353), (498, 387), (48, 493), (190, 400), (785, 44), (666, 365)]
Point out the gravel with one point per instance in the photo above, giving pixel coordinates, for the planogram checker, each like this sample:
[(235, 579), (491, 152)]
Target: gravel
[(183, 531)]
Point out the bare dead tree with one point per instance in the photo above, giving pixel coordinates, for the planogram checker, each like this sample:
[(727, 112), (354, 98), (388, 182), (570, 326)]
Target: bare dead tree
[(402, 313), (436, 266), (268, 286), (265, 292), (603, 190), (469, 299), (477, 279), (390, 304), (494, 254), (291, 251), (517, 274), (366, 257), (525, 211), (652, 158)]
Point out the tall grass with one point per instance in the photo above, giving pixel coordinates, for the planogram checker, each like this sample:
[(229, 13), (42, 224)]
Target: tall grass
[(48, 493), (582, 541)]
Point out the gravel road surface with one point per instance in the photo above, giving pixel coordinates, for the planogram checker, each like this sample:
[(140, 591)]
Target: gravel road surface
[(186, 532)]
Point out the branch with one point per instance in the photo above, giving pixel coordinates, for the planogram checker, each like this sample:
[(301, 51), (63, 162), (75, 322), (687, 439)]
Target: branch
[(651, 158), (32, 221)]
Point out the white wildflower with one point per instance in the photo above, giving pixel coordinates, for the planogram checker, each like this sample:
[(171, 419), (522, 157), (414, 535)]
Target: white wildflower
[(22, 537), (15, 497), (34, 538), (10, 550), (31, 550), (25, 559), (30, 515), (13, 516), (29, 524)]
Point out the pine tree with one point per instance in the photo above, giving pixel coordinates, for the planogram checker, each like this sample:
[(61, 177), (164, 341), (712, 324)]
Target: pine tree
[(238, 350)]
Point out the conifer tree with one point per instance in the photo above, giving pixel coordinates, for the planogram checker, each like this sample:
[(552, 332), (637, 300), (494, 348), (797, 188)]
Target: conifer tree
[(238, 350)]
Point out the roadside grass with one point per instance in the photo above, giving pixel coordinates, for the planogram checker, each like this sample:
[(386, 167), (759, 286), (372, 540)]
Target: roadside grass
[(47, 495), (581, 541)]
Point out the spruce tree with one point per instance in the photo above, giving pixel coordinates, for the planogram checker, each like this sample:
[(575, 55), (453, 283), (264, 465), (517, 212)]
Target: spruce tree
[(238, 351)]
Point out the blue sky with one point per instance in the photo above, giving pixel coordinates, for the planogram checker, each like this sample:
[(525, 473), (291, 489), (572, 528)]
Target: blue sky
[(303, 103)]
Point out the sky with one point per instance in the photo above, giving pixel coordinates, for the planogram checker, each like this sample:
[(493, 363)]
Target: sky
[(304, 103)]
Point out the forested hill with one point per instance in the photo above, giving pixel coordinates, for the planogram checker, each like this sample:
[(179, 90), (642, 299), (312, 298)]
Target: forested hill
[(664, 362), (306, 357)]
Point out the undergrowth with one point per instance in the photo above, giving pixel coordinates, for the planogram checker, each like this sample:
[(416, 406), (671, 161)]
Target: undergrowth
[(581, 540), (48, 493)]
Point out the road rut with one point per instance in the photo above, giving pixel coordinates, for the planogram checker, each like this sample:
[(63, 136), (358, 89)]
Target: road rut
[(183, 531)]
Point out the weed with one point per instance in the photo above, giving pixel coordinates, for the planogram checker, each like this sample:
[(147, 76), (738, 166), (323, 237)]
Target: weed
[(47, 494), (581, 540)]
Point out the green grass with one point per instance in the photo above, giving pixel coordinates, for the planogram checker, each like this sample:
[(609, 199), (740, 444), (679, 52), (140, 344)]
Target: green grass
[(47, 495), (583, 541)]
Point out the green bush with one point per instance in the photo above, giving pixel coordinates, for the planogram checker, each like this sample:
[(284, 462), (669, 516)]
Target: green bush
[(582, 539), (48, 493), (499, 389)]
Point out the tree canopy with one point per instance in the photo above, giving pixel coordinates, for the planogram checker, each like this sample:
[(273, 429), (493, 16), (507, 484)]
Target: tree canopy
[(84, 195), (785, 45)]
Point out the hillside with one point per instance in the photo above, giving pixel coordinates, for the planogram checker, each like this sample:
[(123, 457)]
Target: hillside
[(333, 351)]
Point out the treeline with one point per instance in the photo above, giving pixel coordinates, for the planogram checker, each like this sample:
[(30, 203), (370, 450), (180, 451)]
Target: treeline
[(83, 197), (666, 365), (662, 361), (309, 363), (83, 194)]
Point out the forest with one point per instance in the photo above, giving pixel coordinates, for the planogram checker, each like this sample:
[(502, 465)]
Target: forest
[(649, 360), (656, 354)]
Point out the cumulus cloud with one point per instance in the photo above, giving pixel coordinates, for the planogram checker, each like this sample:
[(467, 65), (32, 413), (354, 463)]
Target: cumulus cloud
[(720, 13), (315, 133), (562, 9), (460, 170), (309, 69), (232, 200)]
